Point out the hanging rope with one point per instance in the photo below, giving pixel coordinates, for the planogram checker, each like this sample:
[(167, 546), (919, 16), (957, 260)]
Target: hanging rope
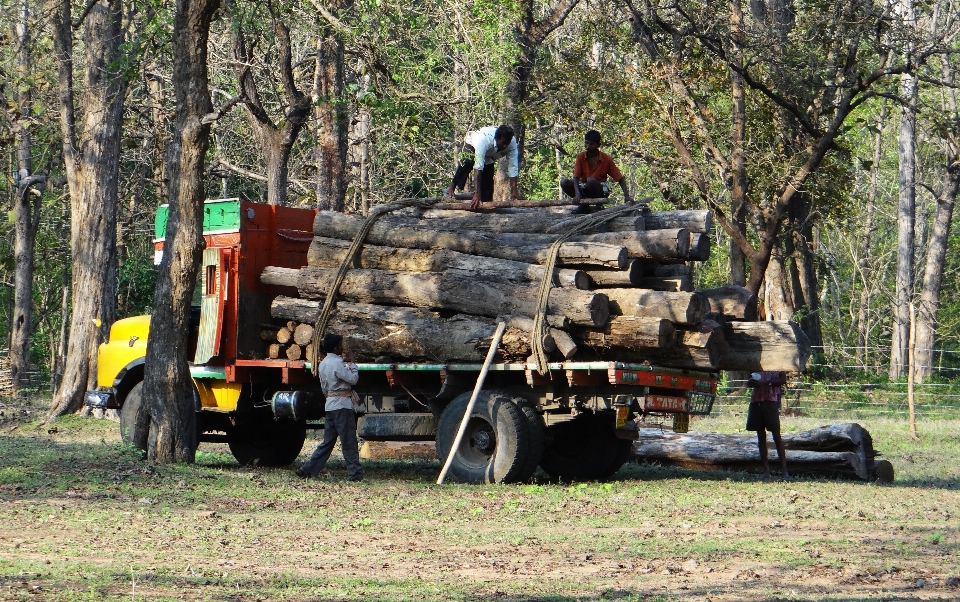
[(540, 317), (376, 213)]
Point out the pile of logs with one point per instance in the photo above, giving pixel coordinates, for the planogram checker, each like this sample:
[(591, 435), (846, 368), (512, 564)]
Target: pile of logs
[(291, 341), (431, 286)]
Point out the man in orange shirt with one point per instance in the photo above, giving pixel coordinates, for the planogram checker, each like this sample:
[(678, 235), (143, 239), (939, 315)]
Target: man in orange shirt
[(590, 174)]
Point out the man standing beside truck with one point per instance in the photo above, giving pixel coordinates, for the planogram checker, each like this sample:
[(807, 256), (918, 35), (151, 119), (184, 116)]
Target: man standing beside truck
[(336, 380)]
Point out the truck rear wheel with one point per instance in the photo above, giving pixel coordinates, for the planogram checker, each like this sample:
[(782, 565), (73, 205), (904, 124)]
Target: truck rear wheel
[(266, 442), (536, 433), (496, 444), (584, 449)]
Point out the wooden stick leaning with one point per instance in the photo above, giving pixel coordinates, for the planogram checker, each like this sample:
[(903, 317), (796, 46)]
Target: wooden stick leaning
[(473, 400)]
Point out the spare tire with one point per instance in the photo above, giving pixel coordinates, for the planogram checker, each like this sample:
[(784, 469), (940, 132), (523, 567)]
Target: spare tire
[(262, 441), (584, 449), (495, 447)]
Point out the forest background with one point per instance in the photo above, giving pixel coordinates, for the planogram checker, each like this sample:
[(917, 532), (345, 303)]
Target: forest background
[(821, 133)]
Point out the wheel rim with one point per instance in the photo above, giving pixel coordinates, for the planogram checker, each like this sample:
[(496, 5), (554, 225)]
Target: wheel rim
[(479, 443)]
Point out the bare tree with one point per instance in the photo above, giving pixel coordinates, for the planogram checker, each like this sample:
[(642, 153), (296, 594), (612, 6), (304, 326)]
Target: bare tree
[(27, 203), (92, 158), (167, 387), (275, 138)]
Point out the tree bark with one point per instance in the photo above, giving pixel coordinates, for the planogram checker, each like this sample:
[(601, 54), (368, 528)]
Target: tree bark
[(679, 308), (168, 388), (26, 210), (699, 222), (94, 198), (732, 302), (449, 290), (536, 222), (332, 116), (697, 349), (776, 346), (906, 215), (411, 334), (629, 332), (345, 227), (329, 253)]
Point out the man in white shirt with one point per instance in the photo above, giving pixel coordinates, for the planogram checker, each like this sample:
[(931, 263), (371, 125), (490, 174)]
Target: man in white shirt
[(336, 380), (481, 150)]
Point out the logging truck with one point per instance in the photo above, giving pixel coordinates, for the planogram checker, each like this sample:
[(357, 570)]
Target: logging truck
[(575, 420)]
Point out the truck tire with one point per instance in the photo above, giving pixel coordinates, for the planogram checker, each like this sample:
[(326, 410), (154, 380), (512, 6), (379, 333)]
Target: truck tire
[(266, 442), (584, 449), (536, 433), (136, 428), (496, 444)]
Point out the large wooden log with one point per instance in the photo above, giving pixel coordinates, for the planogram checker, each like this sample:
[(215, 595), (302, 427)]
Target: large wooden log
[(331, 224), (617, 278), (652, 244), (694, 221), (679, 308), (692, 351), (844, 450), (677, 284), (772, 345), (447, 291), (373, 332), (329, 253), (536, 222), (629, 332), (699, 247), (732, 302)]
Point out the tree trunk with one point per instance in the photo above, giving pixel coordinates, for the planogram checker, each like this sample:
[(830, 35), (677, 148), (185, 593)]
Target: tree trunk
[(94, 205), (332, 118), (806, 290), (775, 346), (838, 450), (411, 334), (866, 261), (168, 389), (926, 321), (336, 225), (449, 290), (538, 222), (329, 253), (26, 213), (905, 230), (777, 301)]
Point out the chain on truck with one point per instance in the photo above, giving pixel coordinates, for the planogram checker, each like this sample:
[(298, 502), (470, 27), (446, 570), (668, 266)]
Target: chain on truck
[(577, 421)]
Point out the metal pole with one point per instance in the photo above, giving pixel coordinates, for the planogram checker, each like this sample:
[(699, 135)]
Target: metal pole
[(473, 400)]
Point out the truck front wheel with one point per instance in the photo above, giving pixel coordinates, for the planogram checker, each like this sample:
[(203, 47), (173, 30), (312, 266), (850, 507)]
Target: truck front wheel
[(496, 444), (266, 442), (584, 449), (136, 428)]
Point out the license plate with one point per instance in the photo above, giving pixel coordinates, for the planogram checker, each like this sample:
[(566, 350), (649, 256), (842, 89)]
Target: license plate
[(665, 403)]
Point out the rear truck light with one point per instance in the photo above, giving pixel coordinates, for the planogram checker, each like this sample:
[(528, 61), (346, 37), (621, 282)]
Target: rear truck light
[(97, 399)]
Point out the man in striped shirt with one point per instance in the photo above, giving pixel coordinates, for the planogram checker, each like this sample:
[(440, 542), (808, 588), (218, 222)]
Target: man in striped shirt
[(764, 415)]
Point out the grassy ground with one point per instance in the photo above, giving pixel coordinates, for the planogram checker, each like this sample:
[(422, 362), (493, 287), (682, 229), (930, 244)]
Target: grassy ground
[(82, 518)]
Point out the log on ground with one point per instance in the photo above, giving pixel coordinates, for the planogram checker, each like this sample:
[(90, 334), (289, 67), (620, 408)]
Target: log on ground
[(329, 253), (844, 450), (446, 291), (331, 224), (771, 345), (412, 334)]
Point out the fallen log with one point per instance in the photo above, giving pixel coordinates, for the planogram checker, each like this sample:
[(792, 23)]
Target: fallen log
[(694, 221), (329, 253), (844, 450), (652, 244), (732, 302), (676, 284), (699, 247), (771, 345), (303, 334), (447, 291), (679, 308), (524, 203), (372, 332), (617, 278), (331, 224)]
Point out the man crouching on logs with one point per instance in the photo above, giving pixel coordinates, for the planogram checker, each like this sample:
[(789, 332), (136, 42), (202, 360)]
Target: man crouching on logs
[(481, 150)]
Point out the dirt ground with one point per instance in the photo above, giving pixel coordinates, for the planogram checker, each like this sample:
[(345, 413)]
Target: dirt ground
[(81, 518)]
